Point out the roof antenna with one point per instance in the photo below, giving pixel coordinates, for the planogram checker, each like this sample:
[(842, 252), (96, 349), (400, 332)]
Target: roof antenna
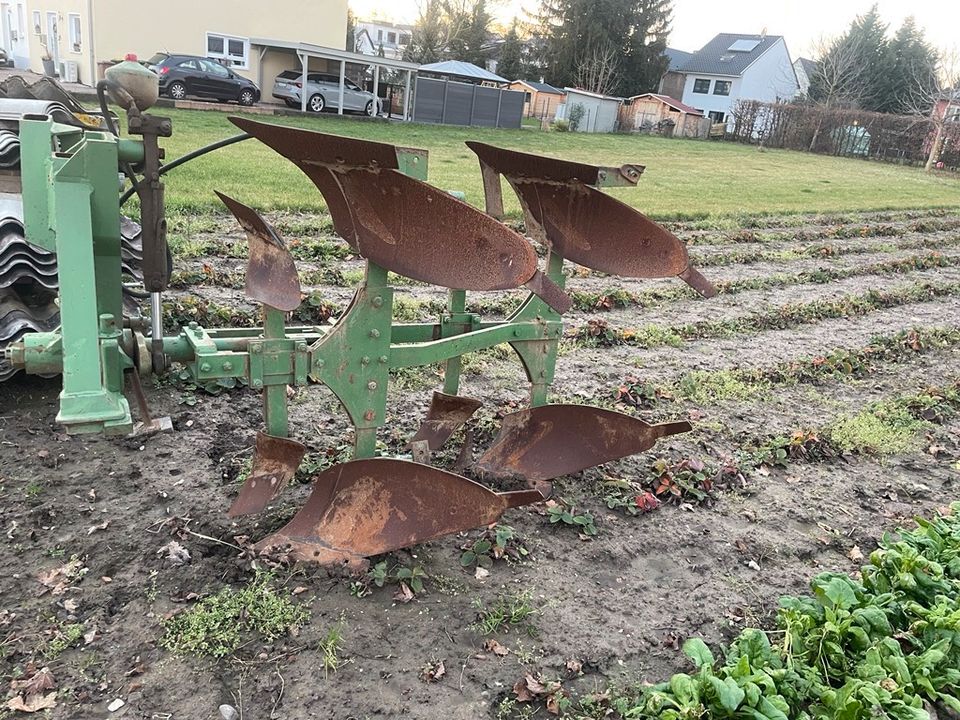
[(763, 33)]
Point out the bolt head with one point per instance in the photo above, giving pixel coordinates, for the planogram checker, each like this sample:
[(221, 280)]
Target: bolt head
[(320, 363), (383, 359), (258, 383), (227, 366), (369, 415), (254, 349), (377, 302), (301, 347), (365, 360), (372, 385), (374, 333), (205, 367)]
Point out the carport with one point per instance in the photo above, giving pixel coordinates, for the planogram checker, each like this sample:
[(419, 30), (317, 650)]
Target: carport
[(307, 51)]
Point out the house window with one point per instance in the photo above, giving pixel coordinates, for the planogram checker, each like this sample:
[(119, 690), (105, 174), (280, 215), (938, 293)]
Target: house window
[(392, 38), (404, 38), (722, 87), (379, 35), (953, 113), (37, 27), (527, 97), (73, 28), (231, 51), (716, 116), (701, 86)]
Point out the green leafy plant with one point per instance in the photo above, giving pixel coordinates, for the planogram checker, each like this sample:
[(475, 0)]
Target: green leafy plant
[(496, 543), (219, 624), (560, 511)]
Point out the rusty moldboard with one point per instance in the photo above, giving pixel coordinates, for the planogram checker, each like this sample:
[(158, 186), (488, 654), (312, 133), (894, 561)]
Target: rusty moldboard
[(271, 271), (583, 224), (446, 415), (550, 441), (275, 462), (367, 507)]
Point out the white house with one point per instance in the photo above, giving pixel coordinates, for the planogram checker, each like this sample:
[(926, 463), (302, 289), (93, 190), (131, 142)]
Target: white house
[(805, 68), (734, 67), (371, 35)]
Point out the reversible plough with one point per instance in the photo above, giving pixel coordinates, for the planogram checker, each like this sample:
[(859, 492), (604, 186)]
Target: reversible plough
[(383, 208)]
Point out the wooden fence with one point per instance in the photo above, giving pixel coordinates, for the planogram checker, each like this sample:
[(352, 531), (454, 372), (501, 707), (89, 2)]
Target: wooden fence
[(846, 132)]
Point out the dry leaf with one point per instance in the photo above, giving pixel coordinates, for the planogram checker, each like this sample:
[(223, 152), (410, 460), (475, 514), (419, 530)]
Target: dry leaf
[(496, 648), (33, 703), (39, 681), (58, 580), (481, 573), (855, 554), (574, 666), (433, 672), (299, 589), (176, 553), (553, 704), (403, 594), (521, 690)]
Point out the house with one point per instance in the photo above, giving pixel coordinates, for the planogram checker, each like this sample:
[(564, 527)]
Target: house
[(597, 113), (948, 106), (80, 34), (540, 99), (653, 112), (372, 35), (671, 84), (805, 69), (734, 67)]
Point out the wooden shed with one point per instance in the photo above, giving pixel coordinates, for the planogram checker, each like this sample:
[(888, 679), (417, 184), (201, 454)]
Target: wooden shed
[(541, 100), (662, 114)]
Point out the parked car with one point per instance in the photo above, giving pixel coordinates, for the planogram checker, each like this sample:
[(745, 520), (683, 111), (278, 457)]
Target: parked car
[(323, 93), (183, 75), (5, 60)]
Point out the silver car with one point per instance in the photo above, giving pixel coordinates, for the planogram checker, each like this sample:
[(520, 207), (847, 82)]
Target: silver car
[(323, 93)]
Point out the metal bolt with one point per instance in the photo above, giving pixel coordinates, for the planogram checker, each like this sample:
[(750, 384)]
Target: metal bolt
[(205, 367), (374, 333), (258, 383), (516, 332), (320, 363), (369, 415), (372, 385), (227, 366), (192, 325), (543, 373), (365, 360), (383, 359), (255, 349), (301, 347), (377, 301)]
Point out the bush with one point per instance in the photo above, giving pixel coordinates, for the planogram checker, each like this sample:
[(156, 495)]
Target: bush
[(575, 116), (561, 125)]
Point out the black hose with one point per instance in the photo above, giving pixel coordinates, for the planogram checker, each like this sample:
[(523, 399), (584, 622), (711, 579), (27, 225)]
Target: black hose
[(172, 165)]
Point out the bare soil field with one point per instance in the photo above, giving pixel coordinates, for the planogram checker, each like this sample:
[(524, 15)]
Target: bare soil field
[(821, 384)]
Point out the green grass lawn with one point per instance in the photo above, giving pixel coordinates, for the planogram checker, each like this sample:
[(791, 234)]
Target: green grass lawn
[(684, 178)]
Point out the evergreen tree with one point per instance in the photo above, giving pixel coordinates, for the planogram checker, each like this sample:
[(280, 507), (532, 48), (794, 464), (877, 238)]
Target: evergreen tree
[(351, 43), (584, 36), (911, 78), (511, 64)]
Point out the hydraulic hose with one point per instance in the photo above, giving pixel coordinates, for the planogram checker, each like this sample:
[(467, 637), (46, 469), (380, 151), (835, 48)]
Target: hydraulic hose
[(193, 155)]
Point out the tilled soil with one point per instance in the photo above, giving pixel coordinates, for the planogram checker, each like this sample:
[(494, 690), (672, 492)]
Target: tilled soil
[(618, 604)]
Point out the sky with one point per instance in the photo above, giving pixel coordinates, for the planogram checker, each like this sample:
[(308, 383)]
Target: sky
[(802, 22)]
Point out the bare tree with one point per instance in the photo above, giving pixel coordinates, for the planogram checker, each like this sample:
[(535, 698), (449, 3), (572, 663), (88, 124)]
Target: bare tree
[(838, 80), (929, 98), (597, 70)]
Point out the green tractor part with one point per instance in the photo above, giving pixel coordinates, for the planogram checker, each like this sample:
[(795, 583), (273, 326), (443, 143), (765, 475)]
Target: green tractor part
[(381, 206)]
